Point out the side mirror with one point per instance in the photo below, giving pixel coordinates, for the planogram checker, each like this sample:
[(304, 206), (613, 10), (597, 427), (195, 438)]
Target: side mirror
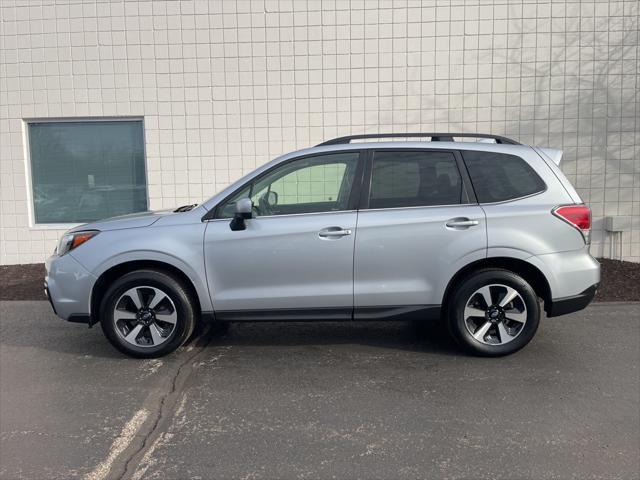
[(244, 211)]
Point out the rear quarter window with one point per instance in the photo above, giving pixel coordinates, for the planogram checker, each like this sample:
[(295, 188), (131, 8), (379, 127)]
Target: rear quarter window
[(498, 177)]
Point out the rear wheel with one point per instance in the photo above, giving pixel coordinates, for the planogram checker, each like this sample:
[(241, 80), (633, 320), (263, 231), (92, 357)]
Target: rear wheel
[(147, 313), (493, 312)]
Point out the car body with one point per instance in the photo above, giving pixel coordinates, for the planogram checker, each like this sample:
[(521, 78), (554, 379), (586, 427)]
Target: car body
[(365, 240)]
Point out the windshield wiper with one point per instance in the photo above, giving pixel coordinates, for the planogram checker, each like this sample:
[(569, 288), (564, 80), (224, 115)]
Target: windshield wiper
[(186, 208)]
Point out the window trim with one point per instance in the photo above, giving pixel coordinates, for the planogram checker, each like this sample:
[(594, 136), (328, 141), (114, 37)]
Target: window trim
[(516, 198), (368, 175), (331, 212), (352, 203), (27, 162), (546, 187)]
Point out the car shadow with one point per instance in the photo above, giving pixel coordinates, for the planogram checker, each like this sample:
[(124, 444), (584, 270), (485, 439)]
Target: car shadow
[(32, 325), (420, 336)]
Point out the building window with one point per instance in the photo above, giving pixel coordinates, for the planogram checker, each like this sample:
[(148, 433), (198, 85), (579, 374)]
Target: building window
[(83, 171)]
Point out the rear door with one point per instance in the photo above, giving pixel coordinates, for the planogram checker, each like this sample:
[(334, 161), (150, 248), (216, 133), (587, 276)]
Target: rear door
[(418, 224)]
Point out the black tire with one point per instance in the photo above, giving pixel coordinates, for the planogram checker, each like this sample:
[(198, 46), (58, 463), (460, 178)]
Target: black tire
[(185, 310), (462, 294)]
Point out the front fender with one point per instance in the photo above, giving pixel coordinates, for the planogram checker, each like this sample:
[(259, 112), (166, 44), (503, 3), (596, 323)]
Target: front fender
[(197, 278), (180, 246)]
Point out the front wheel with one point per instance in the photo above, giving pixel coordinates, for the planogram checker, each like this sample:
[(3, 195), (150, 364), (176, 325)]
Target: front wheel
[(147, 313), (493, 312)]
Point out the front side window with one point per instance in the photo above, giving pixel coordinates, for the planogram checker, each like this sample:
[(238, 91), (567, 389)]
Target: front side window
[(310, 185), (498, 177), (85, 171), (415, 178)]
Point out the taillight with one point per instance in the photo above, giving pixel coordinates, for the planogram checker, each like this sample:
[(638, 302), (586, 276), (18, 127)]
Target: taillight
[(578, 216)]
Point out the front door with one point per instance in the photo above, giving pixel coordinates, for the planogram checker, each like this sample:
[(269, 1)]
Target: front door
[(418, 226), (294, 260)]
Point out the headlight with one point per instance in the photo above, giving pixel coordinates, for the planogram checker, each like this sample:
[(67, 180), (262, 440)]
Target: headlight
[(69, 241)]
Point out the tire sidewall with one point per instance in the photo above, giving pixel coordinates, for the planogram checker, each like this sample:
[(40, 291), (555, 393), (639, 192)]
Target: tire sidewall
[(164, 282), (459, 300)]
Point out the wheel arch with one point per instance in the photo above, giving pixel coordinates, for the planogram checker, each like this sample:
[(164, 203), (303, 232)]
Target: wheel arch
[(116, 271), (526, 270)]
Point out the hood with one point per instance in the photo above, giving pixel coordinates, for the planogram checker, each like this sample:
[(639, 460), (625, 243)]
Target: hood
[(133, 220)]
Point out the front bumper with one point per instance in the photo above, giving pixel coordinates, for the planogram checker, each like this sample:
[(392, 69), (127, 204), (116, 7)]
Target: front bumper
[(46, 294), (562, 306), (68, 287)]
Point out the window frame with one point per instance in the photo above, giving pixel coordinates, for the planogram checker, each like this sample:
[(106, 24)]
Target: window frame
[(352, 203), (26, 122), (368, 175), (514, 199)]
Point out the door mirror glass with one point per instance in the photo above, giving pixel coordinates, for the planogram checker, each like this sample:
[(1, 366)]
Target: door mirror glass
[(244, 209)]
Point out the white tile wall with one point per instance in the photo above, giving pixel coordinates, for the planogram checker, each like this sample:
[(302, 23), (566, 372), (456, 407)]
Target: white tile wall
[(226, 85)]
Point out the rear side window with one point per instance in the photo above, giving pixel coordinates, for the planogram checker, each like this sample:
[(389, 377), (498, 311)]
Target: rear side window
[(415, 178), (497, 177)]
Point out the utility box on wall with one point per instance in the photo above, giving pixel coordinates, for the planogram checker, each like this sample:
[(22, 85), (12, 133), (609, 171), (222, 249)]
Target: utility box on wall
[(616, 226)]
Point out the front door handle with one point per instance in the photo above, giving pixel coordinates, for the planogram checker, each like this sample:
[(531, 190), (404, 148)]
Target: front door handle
[(334, 232), (461, 222)]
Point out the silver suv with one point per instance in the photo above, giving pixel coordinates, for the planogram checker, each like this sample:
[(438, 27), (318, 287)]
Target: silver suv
[(481, 234)]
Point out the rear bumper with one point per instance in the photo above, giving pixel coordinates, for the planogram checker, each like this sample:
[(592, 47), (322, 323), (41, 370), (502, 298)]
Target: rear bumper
[(562, 306), (569, 274)]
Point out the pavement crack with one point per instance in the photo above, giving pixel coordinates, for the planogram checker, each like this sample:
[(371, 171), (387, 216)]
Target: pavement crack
[(166, 406)]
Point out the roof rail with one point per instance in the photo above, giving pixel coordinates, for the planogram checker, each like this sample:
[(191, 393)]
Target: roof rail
[(435, 137)]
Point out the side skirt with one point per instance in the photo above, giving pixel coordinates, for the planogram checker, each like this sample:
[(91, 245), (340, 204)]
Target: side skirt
[(392, 312), (403, 312)]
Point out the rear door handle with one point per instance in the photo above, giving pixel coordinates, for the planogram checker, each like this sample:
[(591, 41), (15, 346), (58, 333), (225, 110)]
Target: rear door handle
[(333, 232), (461, 223)]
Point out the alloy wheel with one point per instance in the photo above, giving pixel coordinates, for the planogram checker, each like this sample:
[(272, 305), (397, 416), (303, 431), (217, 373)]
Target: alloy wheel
[(495, 314), (145, 316)]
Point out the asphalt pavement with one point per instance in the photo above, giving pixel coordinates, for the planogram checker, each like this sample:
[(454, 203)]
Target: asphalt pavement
[(320, 400)]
